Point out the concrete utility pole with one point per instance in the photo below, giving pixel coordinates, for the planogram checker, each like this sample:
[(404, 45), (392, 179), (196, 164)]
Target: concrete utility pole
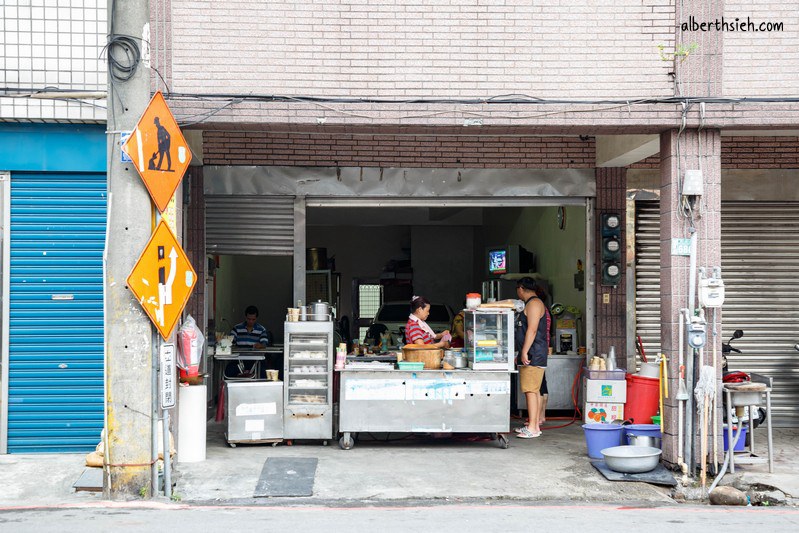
[(129, 359)]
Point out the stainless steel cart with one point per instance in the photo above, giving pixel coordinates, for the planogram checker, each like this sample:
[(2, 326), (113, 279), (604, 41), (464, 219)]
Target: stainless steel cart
[(424, 401), (308, 373), (254, 411)]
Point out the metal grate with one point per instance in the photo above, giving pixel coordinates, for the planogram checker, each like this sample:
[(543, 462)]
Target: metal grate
[(370, 297), (249, 225), (760, 267), (55, 370)]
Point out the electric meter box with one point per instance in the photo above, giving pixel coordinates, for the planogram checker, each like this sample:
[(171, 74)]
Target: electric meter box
[(711, 292), (697, 333), (692, 183)]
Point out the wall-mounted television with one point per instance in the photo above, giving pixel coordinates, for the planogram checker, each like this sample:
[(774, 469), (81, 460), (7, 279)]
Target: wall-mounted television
[(508, 259)]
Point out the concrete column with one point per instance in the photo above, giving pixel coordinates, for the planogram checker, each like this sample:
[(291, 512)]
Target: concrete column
[(129, 365), (691, 150), (611, 302)]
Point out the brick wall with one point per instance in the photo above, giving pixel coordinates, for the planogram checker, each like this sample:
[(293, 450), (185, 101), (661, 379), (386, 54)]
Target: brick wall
[(259, 148), (160, 45), (413, 48), (748, 152), (611, 317), (761, 63), (760, 152)]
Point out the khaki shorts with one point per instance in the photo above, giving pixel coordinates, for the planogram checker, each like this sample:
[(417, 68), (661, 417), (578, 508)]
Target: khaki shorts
[(530, 378)]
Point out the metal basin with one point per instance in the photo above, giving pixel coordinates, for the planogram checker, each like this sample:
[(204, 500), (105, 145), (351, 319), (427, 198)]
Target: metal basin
[(631, 459), (643, 440)]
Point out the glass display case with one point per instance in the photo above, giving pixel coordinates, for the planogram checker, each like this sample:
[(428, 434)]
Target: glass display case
[(489, 341), (308, 377)]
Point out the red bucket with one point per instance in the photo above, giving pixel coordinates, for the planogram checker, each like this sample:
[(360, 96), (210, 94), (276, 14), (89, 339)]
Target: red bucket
[(643, 395)]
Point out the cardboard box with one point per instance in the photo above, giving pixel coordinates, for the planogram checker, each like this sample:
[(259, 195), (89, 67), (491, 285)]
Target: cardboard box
[(605, 390), (603, 412)]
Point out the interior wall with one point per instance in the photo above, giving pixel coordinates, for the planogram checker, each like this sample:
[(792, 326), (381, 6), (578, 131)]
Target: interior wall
[(360, 252), (498, 223), (441, 256), (265, 282), (557, 251)]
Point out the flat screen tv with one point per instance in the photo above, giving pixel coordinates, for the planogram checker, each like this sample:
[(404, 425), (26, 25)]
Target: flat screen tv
[(508, 259)]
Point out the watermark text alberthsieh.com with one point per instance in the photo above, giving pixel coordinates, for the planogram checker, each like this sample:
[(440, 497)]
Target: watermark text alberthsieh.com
[(731, 25)]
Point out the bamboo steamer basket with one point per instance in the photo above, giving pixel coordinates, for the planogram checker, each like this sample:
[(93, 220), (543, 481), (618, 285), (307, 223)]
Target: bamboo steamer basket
[(431, 357)]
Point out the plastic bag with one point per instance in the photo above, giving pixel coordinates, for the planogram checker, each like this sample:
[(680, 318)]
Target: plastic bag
[(190, 348)]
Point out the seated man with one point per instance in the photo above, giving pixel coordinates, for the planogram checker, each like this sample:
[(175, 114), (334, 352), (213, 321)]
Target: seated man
[(250, 334)]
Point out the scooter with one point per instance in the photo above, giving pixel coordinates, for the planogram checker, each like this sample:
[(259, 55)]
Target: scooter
[(726, 348), (737, 377)]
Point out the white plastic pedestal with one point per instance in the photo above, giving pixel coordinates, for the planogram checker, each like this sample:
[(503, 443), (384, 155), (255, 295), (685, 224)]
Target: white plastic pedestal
[(191, 423)]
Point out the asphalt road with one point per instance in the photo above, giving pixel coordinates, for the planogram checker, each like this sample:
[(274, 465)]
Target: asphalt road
[(404, 517)]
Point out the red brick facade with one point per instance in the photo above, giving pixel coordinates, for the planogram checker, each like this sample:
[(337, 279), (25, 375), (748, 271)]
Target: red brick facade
[(611, 186), (432, 151), (749, 153)]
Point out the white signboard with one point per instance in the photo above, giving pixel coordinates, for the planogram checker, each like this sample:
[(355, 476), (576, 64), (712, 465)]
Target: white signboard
[(256, 409), (167, 389)]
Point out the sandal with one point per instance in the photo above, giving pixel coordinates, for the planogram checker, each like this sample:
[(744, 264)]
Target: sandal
[(525, 433)]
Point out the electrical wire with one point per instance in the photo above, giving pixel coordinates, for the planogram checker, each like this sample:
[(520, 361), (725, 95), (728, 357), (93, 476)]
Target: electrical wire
[(124, 56), (521, 99), (327, 103)]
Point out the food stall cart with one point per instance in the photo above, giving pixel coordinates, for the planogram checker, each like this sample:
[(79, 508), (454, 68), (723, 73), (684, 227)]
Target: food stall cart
[(253, 406), (469, 400)]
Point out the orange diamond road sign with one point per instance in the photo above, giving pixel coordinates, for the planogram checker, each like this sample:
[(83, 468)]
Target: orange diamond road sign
[(159, 151), (162, 279)]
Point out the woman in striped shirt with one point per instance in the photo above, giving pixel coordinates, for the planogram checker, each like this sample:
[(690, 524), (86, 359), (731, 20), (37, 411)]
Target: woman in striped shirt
[(418, 332)]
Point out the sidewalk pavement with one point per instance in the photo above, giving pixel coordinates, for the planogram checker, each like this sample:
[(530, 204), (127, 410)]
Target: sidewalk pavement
[(553, 467)]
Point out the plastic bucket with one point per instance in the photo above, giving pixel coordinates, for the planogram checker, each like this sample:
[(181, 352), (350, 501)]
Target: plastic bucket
[(644, 430), (642, 398), (601, 436), (741, 444)]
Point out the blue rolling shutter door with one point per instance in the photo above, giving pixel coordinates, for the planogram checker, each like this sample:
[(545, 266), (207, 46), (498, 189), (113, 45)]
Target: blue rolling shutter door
[(55, 385)]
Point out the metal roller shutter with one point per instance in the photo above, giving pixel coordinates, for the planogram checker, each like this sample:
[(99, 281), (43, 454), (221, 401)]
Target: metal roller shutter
[(647, 274), (55, 349), (249, 225), (760, 267)]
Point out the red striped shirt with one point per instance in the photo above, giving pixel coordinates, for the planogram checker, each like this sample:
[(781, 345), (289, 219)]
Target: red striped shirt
[(414, 332)]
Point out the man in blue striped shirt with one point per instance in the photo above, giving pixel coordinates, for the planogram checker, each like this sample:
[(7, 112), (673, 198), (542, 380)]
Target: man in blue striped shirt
[(250, 333)]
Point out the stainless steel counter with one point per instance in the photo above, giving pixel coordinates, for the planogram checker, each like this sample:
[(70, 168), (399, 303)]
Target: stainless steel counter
[(424, 401), (254, 411)]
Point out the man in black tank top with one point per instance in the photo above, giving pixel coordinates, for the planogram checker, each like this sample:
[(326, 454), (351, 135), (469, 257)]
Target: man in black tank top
[(531, 341)]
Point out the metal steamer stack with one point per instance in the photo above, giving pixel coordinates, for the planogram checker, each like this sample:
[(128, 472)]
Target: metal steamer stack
[(308, 376)]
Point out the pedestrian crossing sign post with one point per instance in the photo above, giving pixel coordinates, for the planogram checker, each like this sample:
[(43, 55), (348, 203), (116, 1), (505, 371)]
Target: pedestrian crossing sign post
[(159, 151), (162, 280)]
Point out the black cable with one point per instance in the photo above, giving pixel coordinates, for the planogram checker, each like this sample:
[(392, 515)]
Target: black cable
[(496, 100), (124, 56)]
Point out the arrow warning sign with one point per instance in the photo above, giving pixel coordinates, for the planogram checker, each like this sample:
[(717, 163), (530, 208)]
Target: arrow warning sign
[(162, 279)]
